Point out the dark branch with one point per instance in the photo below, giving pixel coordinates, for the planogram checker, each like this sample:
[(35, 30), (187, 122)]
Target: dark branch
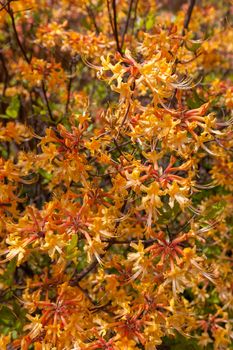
[(89, 268), (95, 262), (119, 149), (135, 15), (6, 74), (115, 26), (127, 23), (146, 242), (72, 65), (4, 5), (85, 292), (68, 94), (46, 100), (124, 119), (188, 16), (185, 27), (110, 16), (23, 52), (92, 16)]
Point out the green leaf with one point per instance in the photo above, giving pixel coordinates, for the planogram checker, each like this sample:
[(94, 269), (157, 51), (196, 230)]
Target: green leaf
[(215, 210), (167, 213), (45, 174), (13, 108), (7, 317), (196, 101), (193, 46), (179, 342), (72, 244), (8, 276), (71, 249), (150, 21), (214, 298)]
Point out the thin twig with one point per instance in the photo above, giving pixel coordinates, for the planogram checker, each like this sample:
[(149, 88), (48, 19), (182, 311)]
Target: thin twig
[(46, 100), (95, 262), (119, 146), (4, 5), (89, 268), (110, 16), (135, 16), (127, 23), (222, 146), (124, 119), (115, 26), (191, 60), (188, 16), (134, 240), (28, 60), (185, 27), (119, 150), (85, 292), (11, 14), (92, 16), (6, 74), (68, 94), (69, 85)]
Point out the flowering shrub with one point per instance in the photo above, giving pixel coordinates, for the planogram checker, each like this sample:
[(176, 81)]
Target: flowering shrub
[(116, 175)]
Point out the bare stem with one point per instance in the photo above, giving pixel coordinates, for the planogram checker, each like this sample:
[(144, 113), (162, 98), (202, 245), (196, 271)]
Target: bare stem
[(89, 268), (6, 74), (110, 16), (185, 27), (4, 5), (135, 16), (115, 32), (95, 262), (188, 16), (23, 52), (127, 23), (92, 16), (69, 85), (46, 100)]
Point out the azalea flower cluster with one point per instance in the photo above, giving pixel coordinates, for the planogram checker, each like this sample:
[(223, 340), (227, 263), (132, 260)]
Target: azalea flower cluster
[(116, 175)]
